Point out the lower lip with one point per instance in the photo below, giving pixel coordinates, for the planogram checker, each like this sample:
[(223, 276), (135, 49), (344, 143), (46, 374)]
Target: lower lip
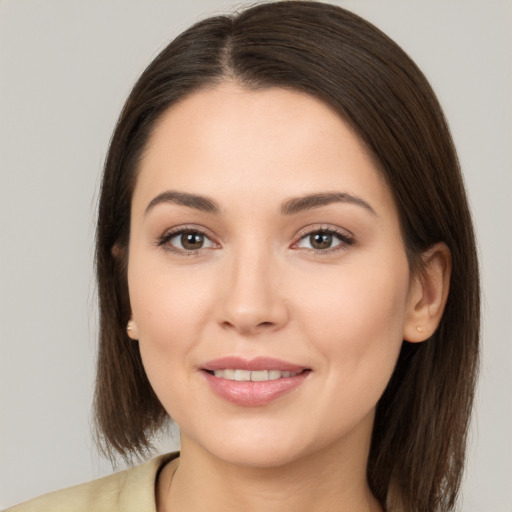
[(253, 394)]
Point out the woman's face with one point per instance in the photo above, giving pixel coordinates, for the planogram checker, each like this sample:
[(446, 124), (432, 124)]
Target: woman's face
[(268, 279)]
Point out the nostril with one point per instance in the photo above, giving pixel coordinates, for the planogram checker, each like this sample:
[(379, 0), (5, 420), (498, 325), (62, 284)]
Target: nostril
[(247, 326)]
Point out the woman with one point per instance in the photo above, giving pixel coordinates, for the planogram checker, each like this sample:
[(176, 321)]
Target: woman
[(286, 267)]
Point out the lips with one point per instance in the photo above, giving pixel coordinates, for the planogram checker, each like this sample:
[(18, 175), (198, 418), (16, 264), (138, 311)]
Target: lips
[(254, 382)]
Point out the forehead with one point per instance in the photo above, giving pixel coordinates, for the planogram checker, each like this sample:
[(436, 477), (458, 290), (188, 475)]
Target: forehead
[(274, 141)]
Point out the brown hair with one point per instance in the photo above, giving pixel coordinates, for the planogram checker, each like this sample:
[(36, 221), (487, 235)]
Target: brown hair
[(418, 445)]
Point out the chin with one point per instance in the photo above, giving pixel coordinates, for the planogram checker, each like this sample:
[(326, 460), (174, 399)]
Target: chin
[(253, 449), (257, 456)]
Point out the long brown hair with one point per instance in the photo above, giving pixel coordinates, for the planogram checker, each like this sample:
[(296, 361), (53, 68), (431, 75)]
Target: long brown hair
[(418, 445)]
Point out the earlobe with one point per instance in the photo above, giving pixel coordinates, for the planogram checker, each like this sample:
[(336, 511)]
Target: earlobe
[(116, 251), (428, 294), (132, 330)]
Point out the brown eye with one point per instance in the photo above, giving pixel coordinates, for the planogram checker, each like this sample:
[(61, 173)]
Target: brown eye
[(188, 240), (320, 240), (323, 240), (191, 241)]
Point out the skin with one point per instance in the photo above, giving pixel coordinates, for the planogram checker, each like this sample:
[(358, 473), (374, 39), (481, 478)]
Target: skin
[(258, 287)]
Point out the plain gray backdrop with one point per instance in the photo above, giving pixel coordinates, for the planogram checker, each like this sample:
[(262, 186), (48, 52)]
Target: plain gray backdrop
[(66, 67)]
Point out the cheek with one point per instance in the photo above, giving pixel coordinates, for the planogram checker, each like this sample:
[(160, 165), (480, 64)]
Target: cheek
[(355, 318), (169, 318), (169, 304), (357, 328)]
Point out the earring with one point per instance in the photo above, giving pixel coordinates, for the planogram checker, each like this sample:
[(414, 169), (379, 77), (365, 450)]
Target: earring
[(419, 328), (129, 326)]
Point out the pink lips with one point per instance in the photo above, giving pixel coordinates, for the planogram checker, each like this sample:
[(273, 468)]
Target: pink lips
[(252, 393)]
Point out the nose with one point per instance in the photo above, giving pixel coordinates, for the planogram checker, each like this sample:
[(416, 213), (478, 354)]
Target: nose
[(253, 300)]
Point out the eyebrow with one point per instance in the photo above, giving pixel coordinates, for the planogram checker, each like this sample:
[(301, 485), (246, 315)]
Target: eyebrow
[(289, 207), (310, 201), (183, 198)]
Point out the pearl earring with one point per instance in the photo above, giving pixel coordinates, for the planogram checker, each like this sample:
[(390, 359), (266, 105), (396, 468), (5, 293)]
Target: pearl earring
[(419, 328)]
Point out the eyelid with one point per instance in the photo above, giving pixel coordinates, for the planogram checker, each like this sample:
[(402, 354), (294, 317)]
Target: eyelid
[(346, 238), (163, 240)]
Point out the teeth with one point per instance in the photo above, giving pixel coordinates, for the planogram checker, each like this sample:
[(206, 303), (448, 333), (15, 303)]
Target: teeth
[(229, 374), (259, 376), (242, 375), (255, 376)]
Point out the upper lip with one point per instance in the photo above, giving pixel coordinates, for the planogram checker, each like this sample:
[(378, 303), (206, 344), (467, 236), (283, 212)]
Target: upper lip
[(256, 364)]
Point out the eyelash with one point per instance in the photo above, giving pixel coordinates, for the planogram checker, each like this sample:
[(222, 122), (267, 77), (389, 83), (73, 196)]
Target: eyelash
[(345, 240), (169, 235)]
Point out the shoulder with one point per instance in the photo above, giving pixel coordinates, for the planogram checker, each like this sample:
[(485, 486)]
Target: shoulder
[(132, 490)]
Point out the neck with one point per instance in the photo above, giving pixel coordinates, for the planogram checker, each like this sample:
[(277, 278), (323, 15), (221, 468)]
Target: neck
[(333, 479)]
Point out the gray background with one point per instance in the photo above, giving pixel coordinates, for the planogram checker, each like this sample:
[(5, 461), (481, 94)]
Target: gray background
[(65, 69)]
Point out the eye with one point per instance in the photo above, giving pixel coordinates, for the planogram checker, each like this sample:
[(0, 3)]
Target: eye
[(324, 240), (186, 241)]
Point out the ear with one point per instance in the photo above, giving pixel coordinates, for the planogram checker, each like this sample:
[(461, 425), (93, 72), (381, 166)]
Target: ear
[(132, 330), (116, 251), (428, 294)]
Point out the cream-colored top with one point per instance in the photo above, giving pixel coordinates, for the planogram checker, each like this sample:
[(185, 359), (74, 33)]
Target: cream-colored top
[(132, 490)]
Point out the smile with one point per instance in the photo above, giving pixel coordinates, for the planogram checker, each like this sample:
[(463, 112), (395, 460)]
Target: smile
[(255, 382), (254, 376)]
